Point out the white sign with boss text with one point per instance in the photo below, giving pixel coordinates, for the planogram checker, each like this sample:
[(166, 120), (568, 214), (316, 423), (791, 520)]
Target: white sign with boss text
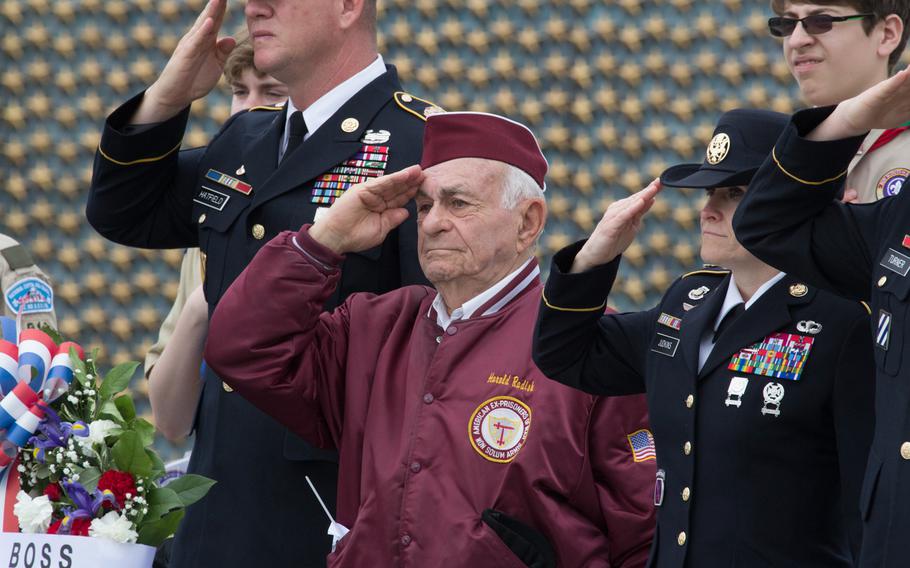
[(59, 551)]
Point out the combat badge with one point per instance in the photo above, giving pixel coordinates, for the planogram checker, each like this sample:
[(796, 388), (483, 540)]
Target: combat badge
[(780, 355), (735, 391), (376, 137), (773, 394), (698, 293), (892, 182), (499, 427), (809, 326), (896, 262), (883, 332)]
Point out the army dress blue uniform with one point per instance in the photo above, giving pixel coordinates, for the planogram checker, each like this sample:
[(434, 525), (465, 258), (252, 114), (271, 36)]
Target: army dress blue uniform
[(229, 199), (792, 220), (753, 470)]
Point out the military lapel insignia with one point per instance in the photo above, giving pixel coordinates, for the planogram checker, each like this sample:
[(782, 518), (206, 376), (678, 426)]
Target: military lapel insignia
[(369, 162), (350, 125), (735, 391), (718, 149), (892, 182), (698, 293), (896, 262), (376, 137), (228, 181), (809, 326), (798, 290), (669, 321), (665, 345), (241, 170), (780, 355), (883, 332), (773, 394)]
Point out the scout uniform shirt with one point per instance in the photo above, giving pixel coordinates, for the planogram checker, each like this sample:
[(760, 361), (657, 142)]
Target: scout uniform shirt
[(438, 430), (760, 449), (790, 219), (27, 290), (881, 165)]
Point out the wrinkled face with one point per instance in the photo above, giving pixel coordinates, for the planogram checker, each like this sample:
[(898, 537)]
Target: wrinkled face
[(718, 243), (838, 64), (251, 90), (463, 232), (289, 35)]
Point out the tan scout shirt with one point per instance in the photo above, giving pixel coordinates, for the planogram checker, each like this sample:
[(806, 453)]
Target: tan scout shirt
[(883, 172), (190, 279), (26, 288)]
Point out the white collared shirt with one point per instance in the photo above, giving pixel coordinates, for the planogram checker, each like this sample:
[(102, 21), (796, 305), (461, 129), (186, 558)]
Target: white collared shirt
[(328, 104), (444, 319), (731, 300)]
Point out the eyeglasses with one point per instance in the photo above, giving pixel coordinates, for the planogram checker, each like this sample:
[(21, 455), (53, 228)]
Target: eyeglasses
[(814, 24)]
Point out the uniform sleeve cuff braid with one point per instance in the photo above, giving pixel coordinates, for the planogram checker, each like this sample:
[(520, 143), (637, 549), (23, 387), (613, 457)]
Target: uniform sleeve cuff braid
[(813, 162), (583, 292), (127, 145)]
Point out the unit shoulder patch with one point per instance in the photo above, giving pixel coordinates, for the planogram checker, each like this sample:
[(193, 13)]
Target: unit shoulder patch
[(421, 108)]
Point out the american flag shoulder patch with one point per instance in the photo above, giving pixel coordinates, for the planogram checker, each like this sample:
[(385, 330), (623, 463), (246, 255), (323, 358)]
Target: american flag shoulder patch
[(642, 444)]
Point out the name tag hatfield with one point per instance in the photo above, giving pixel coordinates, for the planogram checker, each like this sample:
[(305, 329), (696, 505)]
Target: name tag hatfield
[(896, 262), (665, 345), (211, 198)]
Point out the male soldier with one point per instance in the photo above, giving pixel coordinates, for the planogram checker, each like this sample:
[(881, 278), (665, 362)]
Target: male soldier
[(837, 49), (790, 219), (455, 449), (759, 387), (267, 170), (27, 290)]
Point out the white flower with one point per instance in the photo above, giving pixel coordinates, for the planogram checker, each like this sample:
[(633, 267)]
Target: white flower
[(114, 527), (34, 514), (97, 431)]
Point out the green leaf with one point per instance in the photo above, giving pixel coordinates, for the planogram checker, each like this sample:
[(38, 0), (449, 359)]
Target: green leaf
[(118, 379), (145, 430), (157, 464), (155, 532), (126, 407), (162, 500), (129, 454), (89, 478), (191, 488), (110, 410), (78, 366)]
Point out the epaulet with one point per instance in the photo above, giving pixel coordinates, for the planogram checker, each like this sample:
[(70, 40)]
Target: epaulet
[(420, 108), (711, 270), (251, 109)]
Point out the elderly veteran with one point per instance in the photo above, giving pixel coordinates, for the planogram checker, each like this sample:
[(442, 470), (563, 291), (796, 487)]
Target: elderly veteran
[(759, 386), (454, 448)]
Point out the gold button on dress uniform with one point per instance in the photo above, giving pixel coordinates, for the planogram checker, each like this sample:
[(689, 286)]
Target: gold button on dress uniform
[(681, 539), (690, 400), (687, 448), (905, 450), (258, 231)]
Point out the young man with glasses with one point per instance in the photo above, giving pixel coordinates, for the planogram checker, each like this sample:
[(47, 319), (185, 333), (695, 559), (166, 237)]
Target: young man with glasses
[(837, 49)]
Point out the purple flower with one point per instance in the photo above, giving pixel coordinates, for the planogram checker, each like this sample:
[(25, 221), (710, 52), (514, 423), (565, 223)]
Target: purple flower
[(86, 504), (54, 433)]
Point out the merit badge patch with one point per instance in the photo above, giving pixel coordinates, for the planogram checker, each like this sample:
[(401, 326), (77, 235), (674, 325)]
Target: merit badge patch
[(499, 428), (211, 198), (369, 162), (30, 296), (883, 331), (896, 262), (735, 391), (669, 321), (228, 181), (781, 355), (642, 444), (892, 182)]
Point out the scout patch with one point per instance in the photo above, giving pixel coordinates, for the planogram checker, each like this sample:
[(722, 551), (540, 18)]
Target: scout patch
[(698, 293), (30, 296), (883, 333), (896, 262), (773, 394), (369, 162), (499, 427), (892, 182), (669, 321), (781, 355), (211, 198), (228, 181), (809, 326), (735, 391), (665, 345), (642, 444)]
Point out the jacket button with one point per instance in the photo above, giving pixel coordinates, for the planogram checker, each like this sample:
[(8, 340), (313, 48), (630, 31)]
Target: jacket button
[(686, 493), (681, 539), (405, 539), (438, 339), (687, 448), (451, 330), (202, 219), (415, 467), (428, 398), (882, 280), (226, 387), (905, 450), (690, 400), (258, 231)]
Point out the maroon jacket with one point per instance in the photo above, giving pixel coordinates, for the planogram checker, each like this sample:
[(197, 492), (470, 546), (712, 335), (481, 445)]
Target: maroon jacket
[(434, 428)]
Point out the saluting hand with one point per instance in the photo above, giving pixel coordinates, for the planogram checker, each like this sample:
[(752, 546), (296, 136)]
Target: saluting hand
[(886, 105), (616, 229), (362, 217), (193, 69)]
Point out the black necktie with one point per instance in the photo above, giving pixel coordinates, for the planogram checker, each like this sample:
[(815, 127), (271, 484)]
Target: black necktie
[(728, 320), (296, 131)]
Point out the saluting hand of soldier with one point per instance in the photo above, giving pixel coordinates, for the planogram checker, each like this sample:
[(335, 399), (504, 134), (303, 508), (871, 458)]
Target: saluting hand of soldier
[(362, 217), (886, 105), (616, 229), (193, 69)]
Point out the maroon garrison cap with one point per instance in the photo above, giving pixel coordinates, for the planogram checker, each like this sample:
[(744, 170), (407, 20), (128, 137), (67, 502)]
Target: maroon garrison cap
[(453, 135)]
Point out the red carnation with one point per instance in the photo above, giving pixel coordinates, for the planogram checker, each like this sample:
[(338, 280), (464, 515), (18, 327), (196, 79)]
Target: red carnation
[(53, 492), (78, 528), (55, 527), (119, 483)]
